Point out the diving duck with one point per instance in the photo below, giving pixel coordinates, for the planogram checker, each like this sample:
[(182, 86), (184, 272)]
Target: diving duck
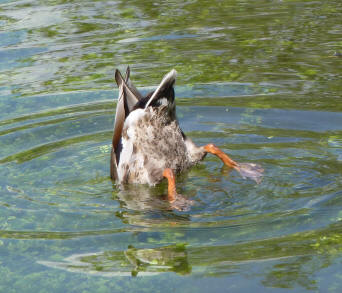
[(148, 144)]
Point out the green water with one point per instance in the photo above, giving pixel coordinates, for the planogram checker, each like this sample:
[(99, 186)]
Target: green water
[(260, 79)]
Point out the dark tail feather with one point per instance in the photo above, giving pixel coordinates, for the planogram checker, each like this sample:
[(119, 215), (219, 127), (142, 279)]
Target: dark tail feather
[(165, 88)]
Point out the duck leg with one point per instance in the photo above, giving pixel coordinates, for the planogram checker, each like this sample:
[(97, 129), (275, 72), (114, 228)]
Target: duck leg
[(246, 170), (175, 200), (171, 189)]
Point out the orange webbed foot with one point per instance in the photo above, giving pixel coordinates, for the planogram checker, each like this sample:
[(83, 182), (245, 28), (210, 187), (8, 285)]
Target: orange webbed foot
[(250, 170), (246, 170)]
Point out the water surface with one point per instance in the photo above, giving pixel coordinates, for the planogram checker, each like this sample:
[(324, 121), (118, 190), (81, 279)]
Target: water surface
[(260, 80)]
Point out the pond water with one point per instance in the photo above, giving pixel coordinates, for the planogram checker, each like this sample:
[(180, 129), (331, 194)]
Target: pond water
[(260, 79)]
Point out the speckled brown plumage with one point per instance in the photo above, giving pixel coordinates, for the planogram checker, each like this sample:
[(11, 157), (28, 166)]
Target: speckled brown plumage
[(152, 143)]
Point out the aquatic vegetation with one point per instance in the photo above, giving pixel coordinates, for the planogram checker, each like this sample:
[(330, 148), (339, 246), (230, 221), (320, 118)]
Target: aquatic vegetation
[(260, 80)]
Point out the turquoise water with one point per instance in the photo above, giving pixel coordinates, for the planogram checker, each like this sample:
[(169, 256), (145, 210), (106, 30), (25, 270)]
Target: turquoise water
[(258, 79)]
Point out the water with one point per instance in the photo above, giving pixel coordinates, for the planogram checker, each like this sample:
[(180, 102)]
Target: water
[(260, 80)]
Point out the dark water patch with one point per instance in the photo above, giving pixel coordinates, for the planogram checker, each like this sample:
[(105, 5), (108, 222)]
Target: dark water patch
[(12, 38)]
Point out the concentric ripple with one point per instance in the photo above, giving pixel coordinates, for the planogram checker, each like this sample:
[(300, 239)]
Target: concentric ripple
[(259, 80)]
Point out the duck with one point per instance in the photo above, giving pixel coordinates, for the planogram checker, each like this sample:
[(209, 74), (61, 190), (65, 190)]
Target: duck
[(148, 144)]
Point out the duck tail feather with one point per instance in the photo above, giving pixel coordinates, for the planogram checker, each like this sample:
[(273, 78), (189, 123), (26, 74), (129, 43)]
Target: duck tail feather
[(166, 84), (125, 103), (130, 85), (129, 96)]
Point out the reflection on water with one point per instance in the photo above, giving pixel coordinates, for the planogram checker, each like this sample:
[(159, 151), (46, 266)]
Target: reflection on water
[(301, 255), (260, 80), (135, 262)]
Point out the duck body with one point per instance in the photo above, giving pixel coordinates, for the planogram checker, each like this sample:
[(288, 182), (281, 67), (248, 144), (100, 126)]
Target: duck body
[(151, 142), (150, 139)]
